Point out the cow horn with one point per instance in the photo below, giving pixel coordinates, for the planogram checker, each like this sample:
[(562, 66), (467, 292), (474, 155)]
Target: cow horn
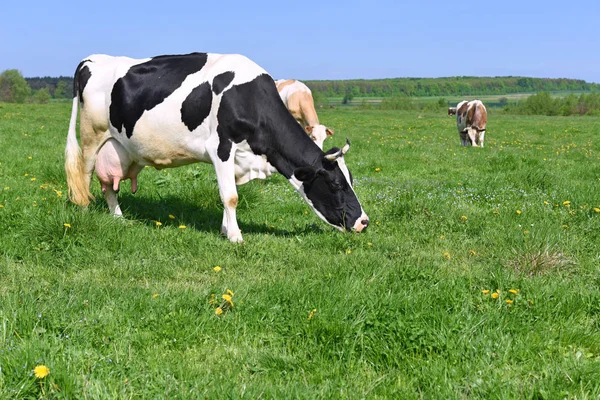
[(339, 153)]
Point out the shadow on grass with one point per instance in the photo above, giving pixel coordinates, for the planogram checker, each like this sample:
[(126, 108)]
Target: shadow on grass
[(201, 218)]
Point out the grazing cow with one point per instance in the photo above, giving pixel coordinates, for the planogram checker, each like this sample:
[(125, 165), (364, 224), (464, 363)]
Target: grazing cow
[(471, 120), (297, 97), (173, 110)]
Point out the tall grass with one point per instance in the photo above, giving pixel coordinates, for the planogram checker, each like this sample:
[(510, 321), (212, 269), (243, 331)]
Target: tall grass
[(478, 276)]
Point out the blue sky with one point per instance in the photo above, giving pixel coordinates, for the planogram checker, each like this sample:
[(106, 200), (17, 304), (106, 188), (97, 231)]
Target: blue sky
[(315, 39)]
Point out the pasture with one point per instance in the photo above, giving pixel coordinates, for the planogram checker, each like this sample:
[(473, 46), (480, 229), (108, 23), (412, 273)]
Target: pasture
[(477, 278)]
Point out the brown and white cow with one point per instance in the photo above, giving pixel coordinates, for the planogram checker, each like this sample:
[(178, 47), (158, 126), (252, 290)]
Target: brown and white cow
[(298, 99), (471, 120), (173, 110)]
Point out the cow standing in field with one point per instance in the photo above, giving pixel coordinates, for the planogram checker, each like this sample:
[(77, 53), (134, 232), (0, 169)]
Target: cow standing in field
[(471, 120), (169, 111), (298, 99)]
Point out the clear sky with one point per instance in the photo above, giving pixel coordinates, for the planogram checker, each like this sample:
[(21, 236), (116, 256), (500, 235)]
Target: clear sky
[(311, 39)]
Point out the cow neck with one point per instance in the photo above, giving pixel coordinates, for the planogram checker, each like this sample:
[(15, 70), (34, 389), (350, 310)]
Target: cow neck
[(292, 149)]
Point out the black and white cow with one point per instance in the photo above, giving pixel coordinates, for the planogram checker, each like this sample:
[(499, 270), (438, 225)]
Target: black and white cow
[(173, 110)]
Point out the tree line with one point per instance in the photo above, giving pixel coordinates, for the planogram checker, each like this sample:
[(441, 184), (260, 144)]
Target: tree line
[(450, 86)]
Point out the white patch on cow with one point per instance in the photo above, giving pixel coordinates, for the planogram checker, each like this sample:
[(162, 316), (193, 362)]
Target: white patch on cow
[(249, 166)]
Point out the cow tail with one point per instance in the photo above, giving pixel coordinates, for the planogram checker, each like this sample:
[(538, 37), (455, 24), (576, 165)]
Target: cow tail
[(79, 189)]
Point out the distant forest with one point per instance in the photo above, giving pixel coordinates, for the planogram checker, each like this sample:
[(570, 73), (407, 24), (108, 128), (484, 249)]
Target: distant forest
[(412, 87)]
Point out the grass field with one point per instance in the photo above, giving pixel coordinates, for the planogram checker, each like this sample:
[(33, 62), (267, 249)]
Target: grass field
[(127, 308)]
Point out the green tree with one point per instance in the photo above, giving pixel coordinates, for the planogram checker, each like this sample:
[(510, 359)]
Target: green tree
[(13, 87), (42, 96), (61, 91)]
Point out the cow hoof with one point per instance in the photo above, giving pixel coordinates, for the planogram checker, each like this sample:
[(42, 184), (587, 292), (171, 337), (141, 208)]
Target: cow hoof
[(236, 238)]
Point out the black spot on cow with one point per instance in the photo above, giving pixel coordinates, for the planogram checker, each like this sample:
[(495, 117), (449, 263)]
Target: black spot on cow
[(148, 84), (196, 106), (82, 76), (221, 81)]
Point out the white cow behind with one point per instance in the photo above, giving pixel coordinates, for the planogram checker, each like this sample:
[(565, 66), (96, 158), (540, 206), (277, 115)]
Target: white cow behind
[(298, 99)]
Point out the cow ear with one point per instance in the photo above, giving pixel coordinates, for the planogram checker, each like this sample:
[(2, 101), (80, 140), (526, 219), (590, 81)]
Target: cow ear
[(305, 174), (329, 132), (308, 129)]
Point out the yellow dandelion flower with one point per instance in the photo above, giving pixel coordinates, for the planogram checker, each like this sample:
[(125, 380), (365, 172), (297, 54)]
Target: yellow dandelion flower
[(514, 291), (446, 255), (229, 292), (463, 217), (26, 175), (348, 251), (377, 169), (369, 244), (565, 226), (473, 252), (496, 212), (495, 295), (485, 291), (155, 295), (217, 269), (566, 203), (530, 302), (1, 205), (525, 232), (312, 313), (67, 225), (227, 298), (182, 226), (545, 202), (442, 236), (219, 311), (33, 179), (171, 216), (29, 157), (41, 371), (158, 223), (596, 209), (508, 301), (518, 212)]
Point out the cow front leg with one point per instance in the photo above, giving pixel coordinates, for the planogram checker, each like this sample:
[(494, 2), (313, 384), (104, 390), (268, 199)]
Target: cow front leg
[(481, 137), (228, 191), (472, 132)]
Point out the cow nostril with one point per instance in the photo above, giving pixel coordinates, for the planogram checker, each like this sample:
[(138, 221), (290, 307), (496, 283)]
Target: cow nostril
[(365, 222)]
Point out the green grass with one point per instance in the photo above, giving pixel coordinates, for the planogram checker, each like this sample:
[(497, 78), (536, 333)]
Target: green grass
[(122, 308)]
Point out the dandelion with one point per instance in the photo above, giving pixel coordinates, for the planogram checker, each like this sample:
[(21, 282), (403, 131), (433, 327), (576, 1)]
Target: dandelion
[(525, 232), (229, 292), (228, 299), (496, 212), (171, 216), (446, 255), (67, 225), (518, 212), (1, 206), (312, 313), (463, 217), (377, 169), (182, 226), (596, 209), (155, 295), (219, 311), (485, 291), (442, 236), (41, 371), (566, 203), (495, 295), (530, 302), (514, 291), (473, 252), (508, 301), (545, 202), (217, 269), (158, 223), (348, 251), (369, 244), (33, 179), (565, 226)]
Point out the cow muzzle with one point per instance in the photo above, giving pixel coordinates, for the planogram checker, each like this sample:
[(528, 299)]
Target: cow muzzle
[(361, 224)]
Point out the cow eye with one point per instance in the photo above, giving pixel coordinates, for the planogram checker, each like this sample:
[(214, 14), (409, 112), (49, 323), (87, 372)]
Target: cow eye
[(335, 185)]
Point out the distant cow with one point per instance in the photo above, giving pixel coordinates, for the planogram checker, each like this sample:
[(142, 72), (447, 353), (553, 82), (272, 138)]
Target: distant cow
[(471, 120), (169, 111), (297, 97)]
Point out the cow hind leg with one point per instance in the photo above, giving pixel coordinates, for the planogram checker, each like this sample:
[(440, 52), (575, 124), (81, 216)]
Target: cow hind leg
[(472, 132)]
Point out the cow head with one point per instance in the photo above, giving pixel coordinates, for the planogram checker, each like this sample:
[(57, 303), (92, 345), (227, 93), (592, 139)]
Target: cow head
[(318, 133), (451, 111), (328, 190)]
